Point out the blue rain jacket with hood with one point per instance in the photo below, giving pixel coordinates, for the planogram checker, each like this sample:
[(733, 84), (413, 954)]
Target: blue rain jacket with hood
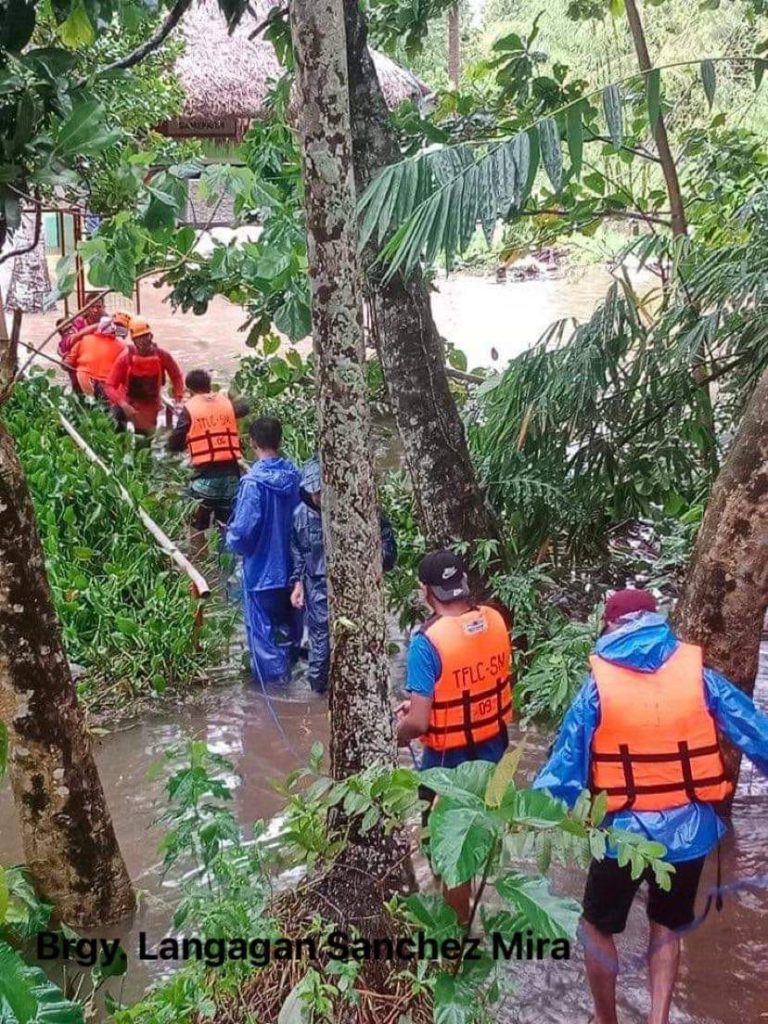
[(259, 531), (643, 643), (308, 565)]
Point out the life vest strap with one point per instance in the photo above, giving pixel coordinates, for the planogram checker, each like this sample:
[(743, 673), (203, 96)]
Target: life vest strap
[(477, 723), (675, 755), (665, 787), (202, 444), (456, 702)]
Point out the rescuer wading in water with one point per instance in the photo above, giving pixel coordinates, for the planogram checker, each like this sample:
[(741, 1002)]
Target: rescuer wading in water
[(459, 678), (644, 730)]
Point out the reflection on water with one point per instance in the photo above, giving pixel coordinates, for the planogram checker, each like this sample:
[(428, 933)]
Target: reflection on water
[(725, 969)]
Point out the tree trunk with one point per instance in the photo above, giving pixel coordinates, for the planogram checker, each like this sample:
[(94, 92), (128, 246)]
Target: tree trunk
[(668, 166), (450, 502), (454, 46), (726, 588), (69, 842)]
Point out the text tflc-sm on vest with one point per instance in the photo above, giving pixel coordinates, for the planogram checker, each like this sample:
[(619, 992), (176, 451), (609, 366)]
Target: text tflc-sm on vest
[(473, 694), (213, 434), (656, 746)]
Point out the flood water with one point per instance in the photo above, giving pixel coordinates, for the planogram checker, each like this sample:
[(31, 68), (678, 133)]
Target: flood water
[(724, 978)]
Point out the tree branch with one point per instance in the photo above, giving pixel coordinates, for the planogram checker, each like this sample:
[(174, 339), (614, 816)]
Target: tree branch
[(155, 41), (274, 14)]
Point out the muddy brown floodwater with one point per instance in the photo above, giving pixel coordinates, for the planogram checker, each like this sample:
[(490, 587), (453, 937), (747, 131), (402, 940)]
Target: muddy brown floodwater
[(724, 977)]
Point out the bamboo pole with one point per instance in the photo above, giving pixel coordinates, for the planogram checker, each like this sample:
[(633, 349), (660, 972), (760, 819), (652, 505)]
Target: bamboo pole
[(162, 538)]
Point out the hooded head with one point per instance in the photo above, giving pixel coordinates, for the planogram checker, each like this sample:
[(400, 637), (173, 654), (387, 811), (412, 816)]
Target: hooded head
[(106, 326), (634, 635), (312, 480), (626, 602)]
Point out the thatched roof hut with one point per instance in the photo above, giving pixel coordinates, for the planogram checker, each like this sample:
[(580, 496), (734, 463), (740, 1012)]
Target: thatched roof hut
[(226, 78)]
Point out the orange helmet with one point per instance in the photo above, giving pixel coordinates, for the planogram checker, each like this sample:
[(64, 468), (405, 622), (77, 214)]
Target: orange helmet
[(122, 319), (139, 327)]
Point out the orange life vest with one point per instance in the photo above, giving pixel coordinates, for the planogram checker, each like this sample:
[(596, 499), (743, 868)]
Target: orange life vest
[(146, 375), (213, 434), (656, 746), (473, 694)]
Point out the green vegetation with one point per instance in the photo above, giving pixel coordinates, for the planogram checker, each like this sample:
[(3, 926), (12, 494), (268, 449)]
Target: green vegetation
[(128, 616)]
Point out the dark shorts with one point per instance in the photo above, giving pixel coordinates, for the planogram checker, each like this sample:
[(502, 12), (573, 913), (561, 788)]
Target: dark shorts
[(610, 891)]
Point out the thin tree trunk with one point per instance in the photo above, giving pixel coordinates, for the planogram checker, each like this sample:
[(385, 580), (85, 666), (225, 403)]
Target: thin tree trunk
[(450, 502), (454, 45), (668, 166), (361, 714), (69, 842), (726, 589)]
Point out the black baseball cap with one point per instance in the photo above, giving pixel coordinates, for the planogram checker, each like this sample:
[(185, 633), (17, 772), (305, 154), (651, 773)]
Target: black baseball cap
[(445, 574)]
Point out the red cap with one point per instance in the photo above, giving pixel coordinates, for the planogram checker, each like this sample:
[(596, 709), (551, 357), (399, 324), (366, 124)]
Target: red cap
[(625, 602)]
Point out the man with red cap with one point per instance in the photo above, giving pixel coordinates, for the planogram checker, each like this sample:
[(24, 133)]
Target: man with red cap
[(644, 730)]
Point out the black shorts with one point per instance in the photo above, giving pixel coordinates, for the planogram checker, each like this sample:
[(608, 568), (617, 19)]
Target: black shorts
[(611, 889)]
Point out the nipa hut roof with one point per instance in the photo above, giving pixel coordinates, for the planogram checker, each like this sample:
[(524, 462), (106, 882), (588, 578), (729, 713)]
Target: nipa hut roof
[(229, 76)]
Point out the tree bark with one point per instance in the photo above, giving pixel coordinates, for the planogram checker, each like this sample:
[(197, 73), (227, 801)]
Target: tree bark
[(362, 731), (69, 842), (450, 502), (726, 588), (668, 166), (454, 46)]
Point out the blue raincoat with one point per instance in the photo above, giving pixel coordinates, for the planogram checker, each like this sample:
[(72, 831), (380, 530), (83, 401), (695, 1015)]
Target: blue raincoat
[(308, 565), (259, 531), (643, 644)]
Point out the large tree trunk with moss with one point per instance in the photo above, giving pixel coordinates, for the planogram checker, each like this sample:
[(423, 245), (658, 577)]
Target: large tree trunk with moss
[(361, 712), (69, 842), (450, 502), (726, 589)]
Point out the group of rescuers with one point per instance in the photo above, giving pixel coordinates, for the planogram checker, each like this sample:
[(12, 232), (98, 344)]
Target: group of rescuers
[(644, 728)]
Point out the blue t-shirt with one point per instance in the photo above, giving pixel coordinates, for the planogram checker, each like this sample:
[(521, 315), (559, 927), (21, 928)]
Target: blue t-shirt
[(423, 668)]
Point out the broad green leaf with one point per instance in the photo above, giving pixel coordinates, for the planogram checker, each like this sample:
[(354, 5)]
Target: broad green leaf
[(616, 8), (77, 31), (295, 1010), (599, 809), (614, 115), (653, 96), (575, 130), (709, 80), (4, 896), (504, 775), (533, 807), (83, 129), (549, 916), (28, 997), (461, 839), (470, 779), (452, 1005), (529, 150), (759, 71), (551, 155), (437, 919)]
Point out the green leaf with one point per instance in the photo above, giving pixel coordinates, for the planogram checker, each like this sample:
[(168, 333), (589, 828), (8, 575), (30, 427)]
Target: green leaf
[(17, 25), (468, 780), (77, 31), (614, 114), (653, 96), (548, 915), (504, 775), (84, 130), (599, 809), (295, 1010), (575, 133), (461, 839), (4, 896), (28, 997), (709, 80), (434, 915), (759, 71), (533, 807), (550, 151)]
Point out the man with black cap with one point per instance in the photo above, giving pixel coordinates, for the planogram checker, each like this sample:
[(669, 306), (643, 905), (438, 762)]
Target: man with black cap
[(643, 729), (458, 677)]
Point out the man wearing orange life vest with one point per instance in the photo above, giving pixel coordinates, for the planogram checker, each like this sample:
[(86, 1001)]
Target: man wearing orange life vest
[(92, 357), (459, 678), (207, 429), (644, 730), (135, 385)]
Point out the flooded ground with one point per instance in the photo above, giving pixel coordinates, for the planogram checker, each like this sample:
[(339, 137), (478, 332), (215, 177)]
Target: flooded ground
[(474, 313), (725, 969)]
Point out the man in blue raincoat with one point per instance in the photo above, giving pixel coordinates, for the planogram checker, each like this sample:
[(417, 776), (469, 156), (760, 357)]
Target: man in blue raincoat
[(643, 729), (308, 579), (259, 531)]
